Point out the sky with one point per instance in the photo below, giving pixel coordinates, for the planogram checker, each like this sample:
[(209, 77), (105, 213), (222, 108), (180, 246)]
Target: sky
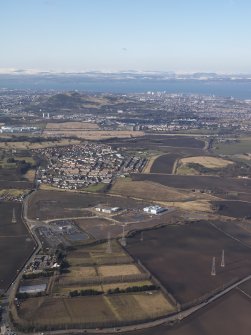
[(121, 35)]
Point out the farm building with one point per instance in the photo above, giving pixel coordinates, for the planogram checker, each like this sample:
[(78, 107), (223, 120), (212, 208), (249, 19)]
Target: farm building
[(154, 209)]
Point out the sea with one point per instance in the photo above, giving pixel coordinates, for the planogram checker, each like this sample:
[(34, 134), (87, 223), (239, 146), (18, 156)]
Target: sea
[(239, 89)]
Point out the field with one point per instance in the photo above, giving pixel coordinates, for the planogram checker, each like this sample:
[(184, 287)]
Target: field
[(158, 142), (219, 318), (218, 184), (91, 134), (118, 270), (181, 258), (241, 146), (164, 163), (86, 270), (15, 243), (109, 310), (11, 178), (97, 255), (237, 209), (71, 126), (94, 267), (148, 190), (99, 227), (29, 145), (207, 161), (237, 229), (58, 204)]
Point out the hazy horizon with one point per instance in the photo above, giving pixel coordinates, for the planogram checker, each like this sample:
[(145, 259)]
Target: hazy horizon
[(112, 36)]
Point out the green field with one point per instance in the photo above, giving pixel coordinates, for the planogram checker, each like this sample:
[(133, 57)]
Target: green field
[(241, 146)]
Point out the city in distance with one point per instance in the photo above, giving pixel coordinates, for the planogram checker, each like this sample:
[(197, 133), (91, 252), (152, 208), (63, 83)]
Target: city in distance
[(125, 167), (129, 212)]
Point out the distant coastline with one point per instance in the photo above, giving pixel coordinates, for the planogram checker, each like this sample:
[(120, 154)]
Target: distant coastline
[(226, 87)]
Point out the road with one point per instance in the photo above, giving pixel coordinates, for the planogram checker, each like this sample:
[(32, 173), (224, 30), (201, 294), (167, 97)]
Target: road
[(10, 294), (169, 319)]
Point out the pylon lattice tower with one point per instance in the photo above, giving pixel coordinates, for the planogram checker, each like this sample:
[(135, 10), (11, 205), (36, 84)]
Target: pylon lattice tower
[(109, 246), (213, 271), (222, 264), (142, 237), (14, 219), (123, 240)]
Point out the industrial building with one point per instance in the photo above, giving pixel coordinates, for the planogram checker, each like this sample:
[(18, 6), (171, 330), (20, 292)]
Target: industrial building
[(107, 210), (154, 209)]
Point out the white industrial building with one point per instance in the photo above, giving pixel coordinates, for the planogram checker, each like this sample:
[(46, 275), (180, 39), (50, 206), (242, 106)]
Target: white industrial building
[(154, 209), (107, 210)]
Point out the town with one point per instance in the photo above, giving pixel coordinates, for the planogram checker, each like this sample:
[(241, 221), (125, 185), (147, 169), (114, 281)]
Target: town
[(80, 166)]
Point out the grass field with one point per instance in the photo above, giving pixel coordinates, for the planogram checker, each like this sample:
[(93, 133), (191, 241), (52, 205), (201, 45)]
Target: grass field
[(79, 272), (96, 254), (210, 319), (71, 126), (118, 270), (185, 170), (147, 190), (207, 161), (241, 146), (96, 188), (93, 135), (108, 309), (139, 306), (30, 146), (221, 185)]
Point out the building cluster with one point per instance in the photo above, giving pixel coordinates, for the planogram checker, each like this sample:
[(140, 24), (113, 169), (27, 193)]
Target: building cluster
[(150, 111), (41, 263), (80, 166), (6, 195), (17, 129)]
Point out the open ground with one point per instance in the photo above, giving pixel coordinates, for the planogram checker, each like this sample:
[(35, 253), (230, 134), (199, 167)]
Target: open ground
[(218, 184), (181, 258), (92, 134), (162, 142), (109, 310), (25, 145), (71, 126), (164, 163), (233, 208), (207, 161), (86, 270), (58, 204), (232, 147), (220, 317), (15, 243)]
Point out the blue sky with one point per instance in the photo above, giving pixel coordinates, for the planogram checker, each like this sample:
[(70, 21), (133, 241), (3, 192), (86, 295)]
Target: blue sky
[(114, 35)]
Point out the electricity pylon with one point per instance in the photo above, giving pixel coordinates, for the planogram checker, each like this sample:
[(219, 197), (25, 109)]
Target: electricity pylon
[(213, 271)]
